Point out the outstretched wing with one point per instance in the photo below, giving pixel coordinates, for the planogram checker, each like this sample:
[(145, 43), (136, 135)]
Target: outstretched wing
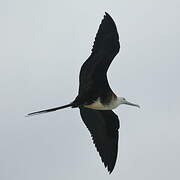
[(105, 48), (103, 126)]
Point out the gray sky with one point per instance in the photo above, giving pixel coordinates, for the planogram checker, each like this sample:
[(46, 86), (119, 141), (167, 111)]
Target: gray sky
[(43, 44)]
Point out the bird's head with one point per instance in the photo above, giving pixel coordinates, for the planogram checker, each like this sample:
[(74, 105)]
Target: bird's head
[(123, 100)]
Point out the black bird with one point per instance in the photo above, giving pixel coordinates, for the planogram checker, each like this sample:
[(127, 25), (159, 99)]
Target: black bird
[(95, 98)]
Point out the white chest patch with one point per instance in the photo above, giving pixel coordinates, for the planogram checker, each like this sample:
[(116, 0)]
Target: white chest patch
[(115, 102)]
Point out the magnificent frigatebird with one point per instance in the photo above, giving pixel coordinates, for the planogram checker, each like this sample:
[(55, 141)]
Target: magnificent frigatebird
[(95, 98)]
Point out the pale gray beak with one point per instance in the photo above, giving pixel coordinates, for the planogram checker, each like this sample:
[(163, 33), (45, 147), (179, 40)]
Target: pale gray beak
[(131, 104)]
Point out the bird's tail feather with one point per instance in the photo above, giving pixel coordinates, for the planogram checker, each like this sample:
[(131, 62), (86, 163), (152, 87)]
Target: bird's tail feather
[(49, 110)]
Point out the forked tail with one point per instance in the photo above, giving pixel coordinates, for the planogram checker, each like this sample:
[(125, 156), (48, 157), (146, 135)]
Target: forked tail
[(49, 110)]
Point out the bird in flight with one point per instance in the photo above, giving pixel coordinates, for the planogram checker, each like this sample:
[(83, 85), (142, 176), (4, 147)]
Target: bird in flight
[(95, 98)]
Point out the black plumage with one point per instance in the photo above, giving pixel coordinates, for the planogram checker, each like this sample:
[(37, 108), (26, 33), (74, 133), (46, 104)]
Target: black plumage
[(93, 84), (93, 81), (103, 126)]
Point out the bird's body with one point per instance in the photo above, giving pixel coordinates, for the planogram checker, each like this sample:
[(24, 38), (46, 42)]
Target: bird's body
[(98, 105), (95, 98)]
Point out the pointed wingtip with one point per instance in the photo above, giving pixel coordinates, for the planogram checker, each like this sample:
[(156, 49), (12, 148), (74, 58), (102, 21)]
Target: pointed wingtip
[(110, 169), (107, 15)]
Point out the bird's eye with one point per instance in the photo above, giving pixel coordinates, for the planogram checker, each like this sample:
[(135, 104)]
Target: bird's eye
[(124, 99)]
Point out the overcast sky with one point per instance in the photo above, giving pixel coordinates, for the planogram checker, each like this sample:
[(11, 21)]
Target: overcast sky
[(43, 43)]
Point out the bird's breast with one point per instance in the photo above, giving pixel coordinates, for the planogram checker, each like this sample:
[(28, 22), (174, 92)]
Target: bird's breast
[(98, 105)]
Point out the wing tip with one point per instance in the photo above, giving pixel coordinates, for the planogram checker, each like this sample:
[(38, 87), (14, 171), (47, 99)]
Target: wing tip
[(109, 166), (107, 15), (110, 169)]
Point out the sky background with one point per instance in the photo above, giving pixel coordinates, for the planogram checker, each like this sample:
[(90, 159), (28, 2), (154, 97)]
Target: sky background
[(43, 43)]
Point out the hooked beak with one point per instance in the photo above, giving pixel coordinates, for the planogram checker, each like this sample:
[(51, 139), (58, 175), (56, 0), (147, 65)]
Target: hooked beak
[(131, 104)]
